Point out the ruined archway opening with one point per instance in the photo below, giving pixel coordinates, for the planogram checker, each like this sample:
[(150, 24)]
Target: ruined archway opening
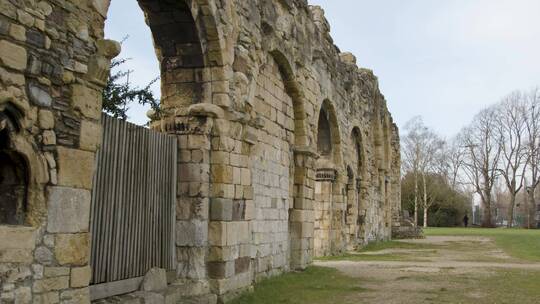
[(330, 209), (178, 49), (14, 176), (14, 187), (324, 135), (150, 209), (162, 50)]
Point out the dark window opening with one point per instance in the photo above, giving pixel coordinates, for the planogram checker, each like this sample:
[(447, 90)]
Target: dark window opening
[(324, 136), (13, 187), (13, 179)]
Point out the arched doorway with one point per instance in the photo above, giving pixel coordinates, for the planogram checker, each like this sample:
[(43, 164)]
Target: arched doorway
[(329, 206), (358, 204), (14, 175), (188, 50)]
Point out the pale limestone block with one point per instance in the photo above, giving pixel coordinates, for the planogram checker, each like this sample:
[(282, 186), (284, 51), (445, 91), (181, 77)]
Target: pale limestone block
[(90, 139), (86, 100), (80, 276), (12, 55), (75, 168), (16, 244), (72, 249)]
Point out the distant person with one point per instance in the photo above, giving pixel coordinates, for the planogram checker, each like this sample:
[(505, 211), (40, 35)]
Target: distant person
[(466, 221)]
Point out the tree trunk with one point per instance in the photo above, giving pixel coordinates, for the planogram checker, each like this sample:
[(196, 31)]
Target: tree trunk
[(425, 200), (425, 217), (532, 205), (511, 210), (415, 199), (486, 219)]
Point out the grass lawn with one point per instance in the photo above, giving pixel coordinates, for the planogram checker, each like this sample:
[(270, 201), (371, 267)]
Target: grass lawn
[(501, 286), (519, 243), (316, 285)]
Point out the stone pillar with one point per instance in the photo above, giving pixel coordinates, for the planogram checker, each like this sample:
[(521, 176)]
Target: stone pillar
[(339, 206), (302, 215), (231, 211), (193, 187), (352, 215)]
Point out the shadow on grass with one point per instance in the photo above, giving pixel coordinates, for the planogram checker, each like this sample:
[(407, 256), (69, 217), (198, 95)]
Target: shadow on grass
[(315, 285)]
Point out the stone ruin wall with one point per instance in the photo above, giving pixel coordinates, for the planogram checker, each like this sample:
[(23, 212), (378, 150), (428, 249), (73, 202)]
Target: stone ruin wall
[(244, 84)]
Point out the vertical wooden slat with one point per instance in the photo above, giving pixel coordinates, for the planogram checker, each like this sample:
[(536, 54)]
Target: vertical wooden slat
[(133, 202)]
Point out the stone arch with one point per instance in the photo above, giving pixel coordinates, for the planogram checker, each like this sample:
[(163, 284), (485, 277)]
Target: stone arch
[(359, 152), (330, 189), (328, 126), (387, 144), (189, 49), (22, 171), (301, 137)]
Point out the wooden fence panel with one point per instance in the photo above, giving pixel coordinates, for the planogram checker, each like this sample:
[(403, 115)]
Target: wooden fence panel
[(133, 202)]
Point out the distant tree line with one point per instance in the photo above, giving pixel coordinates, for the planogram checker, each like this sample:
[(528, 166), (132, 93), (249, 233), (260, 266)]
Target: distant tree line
[(500, 146)]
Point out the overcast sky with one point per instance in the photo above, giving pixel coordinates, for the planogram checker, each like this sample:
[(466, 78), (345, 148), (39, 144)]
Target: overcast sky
[(443, 60)]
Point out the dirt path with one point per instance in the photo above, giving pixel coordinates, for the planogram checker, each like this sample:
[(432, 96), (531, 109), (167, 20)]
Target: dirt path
[(440, 270)]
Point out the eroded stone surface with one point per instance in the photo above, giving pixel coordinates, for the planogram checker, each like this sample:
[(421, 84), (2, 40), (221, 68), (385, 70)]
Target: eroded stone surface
[(286, 147)]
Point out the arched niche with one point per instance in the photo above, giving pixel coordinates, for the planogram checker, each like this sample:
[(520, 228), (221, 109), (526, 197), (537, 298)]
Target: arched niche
[(13, 175), (387, 144), (358, 153), (301, 137), (324, 136), (22, 171), (328, 137)]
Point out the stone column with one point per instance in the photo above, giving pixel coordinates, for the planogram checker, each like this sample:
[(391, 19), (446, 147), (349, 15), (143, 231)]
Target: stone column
[(193, 186), (302, 215), (231, 210)]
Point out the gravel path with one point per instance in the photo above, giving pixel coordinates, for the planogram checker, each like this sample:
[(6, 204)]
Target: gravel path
[(419, 275)]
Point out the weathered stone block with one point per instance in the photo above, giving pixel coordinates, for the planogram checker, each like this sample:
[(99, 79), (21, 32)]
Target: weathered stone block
[(242, 265), (221, 270), (69, 210), (154, 280), (226, 253), (191, 233), (46, 119), (191, 262), (51, 284), (75, 168), (217, 233), (80, 276), (221, 209), (222, 174), (23, 295), (44, 255), (50, 298), (51, 272), (12, 55), (16, 244), (75, 296), (90, 139), (40, 96), (87, 101), (72, 249)]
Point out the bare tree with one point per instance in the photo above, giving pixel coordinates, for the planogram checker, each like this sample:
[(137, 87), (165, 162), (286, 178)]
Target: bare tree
[(483, 152), (421, 148), (532, 134), (411, 150), (431, 149), (451, 160), (511, 126)]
